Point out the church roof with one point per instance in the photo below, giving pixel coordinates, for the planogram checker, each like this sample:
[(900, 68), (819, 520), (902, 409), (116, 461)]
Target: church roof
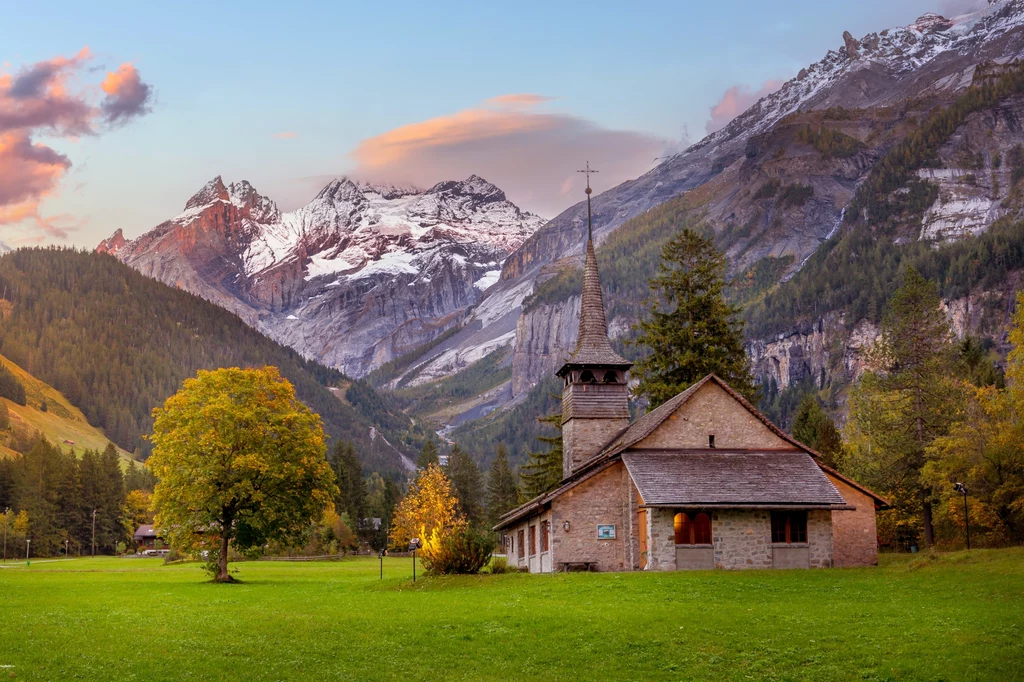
[(592, 344), (645, 426), (742, 478)]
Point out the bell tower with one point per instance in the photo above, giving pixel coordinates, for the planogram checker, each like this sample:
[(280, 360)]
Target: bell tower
[(595, 393)]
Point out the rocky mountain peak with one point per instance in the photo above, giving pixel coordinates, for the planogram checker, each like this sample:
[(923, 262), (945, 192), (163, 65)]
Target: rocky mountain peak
[(214, 190), (340, 190), (111, 244), (931, 22), (473, 186), (253, 204)]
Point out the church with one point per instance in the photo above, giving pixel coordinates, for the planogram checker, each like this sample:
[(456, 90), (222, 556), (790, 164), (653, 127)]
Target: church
[(704, 481)]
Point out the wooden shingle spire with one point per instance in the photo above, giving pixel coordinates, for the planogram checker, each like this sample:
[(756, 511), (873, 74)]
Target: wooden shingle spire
[(592, 345)]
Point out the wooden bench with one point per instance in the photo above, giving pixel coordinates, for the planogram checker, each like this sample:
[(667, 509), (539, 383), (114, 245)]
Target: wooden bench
[(574, 566)]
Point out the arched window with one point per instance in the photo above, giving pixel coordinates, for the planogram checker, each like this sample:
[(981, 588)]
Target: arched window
[(587, 377), (610, 377), (692, 529)]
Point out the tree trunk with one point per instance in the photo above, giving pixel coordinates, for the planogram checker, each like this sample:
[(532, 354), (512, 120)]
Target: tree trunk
[(926, 517), (222, 572)]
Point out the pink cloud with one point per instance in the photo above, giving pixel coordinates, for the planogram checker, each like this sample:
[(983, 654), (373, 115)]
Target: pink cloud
[(735, 101), (126, 95), (529, 154), (286, 135), (517, 100), (40, 100)]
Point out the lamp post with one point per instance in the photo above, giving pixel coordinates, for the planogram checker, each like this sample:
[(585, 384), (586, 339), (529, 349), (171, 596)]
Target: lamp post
[(414, 544), (28, 551), (67, 550), (383, 553), (94, 532), (962, 489)]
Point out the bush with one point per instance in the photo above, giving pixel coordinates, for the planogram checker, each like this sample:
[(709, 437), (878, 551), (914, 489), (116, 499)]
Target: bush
[(460, 552), (499, 565)]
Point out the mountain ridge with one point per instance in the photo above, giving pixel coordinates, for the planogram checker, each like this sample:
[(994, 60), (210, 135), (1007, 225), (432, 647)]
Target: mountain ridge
[(304, 277)]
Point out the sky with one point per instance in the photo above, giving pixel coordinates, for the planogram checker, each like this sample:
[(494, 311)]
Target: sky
[(113, 114)]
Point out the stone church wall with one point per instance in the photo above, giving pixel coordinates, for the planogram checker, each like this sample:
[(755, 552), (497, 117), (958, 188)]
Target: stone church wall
[(712, 411), (600, 500), (853, 532)]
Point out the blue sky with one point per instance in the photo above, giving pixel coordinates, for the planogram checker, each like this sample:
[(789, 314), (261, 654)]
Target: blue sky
[(226, 78)]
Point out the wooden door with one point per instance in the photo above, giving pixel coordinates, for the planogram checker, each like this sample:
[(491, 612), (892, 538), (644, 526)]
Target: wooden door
[(641, 524)]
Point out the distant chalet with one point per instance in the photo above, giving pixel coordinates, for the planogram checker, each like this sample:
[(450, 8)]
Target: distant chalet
[(703, 481)]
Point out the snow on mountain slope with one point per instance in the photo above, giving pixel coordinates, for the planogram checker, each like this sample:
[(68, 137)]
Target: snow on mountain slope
[(357, 276), (931, 60)]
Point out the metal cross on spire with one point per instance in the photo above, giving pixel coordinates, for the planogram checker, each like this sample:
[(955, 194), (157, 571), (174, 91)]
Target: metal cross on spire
[(588, 170)]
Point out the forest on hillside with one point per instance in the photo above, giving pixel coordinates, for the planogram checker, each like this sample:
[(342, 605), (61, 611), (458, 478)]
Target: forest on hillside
[(117, 344)]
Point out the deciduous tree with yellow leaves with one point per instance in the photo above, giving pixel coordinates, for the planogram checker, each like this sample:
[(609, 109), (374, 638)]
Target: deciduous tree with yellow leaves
[(241, 463)]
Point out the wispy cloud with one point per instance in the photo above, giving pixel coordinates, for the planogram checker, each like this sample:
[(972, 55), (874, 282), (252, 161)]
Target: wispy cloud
[(532, 154), (286, 135), (522, 99), (39, 99), (735, 101)]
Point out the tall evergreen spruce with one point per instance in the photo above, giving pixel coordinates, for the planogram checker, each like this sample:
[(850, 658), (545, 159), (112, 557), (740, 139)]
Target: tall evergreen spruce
[(691, 331), (502, 488), (814, 428), (348, 473), (905, 405), (428, 455), (468, 483), (543, 471)]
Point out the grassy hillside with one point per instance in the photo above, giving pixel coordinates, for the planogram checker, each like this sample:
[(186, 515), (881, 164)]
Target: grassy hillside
[(955, 617), (117, 344), (60, 423)]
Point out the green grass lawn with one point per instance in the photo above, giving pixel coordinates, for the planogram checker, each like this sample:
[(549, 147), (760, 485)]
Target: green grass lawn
[(960, 617)]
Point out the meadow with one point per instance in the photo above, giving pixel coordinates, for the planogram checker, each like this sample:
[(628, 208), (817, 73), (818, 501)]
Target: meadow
[(957, 616)]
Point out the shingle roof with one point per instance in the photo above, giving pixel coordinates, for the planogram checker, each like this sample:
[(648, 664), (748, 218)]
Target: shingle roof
[(592, 344), (740, 477), (145, 531), (645, 426)]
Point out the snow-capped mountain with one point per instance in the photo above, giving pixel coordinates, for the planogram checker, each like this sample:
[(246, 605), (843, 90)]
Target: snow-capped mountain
[(357, 276), (886, 81)]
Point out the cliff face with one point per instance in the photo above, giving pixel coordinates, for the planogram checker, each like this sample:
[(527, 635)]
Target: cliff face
[(544, 338)]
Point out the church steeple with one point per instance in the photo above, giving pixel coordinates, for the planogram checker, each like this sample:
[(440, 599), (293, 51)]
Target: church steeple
[(595, 396)]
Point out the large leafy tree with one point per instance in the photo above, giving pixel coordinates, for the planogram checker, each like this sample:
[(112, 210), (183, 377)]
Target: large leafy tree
[(543, 471), (430, 508), (985, 449), (909, 398), (468, 482), (240, 461), (502, 487), (692, 331)]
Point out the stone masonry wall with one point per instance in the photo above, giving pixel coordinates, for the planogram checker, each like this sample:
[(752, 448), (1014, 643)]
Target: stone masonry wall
[(819, 538), (584, 438), (712, 411), (602, 499), (854, 535), (743, 538), (661, 546)]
